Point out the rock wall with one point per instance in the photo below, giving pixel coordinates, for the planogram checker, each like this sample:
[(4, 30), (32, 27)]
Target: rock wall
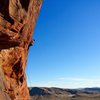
[(17, 21)]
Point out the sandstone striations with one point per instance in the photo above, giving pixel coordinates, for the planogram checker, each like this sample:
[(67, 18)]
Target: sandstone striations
[(17, 21)]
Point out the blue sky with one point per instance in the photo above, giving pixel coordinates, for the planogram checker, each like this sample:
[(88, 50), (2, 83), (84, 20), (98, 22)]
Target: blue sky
[(66, 52)]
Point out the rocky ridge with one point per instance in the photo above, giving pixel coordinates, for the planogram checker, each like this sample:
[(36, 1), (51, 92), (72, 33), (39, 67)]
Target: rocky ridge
[(44, 93), (17, 21)]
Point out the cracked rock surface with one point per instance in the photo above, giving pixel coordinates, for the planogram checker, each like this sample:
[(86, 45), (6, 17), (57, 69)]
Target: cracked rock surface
[(17, 21)]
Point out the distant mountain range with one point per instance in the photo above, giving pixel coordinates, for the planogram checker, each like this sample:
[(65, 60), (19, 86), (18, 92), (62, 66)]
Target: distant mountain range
[(95, 89), (44, 93)]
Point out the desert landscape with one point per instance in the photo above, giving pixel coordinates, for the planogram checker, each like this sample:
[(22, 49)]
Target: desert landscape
[(37, 93), (66, 53)]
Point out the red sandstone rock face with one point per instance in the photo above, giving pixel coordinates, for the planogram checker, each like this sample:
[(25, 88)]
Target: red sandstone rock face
[(17, 21)]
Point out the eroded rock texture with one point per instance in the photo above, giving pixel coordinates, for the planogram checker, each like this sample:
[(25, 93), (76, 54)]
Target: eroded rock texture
[(17, 21)]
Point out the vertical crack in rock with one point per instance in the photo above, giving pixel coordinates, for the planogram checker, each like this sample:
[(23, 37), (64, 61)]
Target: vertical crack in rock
[(17, 21), (25, 5)]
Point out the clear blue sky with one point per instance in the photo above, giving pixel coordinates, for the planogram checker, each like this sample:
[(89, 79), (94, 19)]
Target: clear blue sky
[(66, 52)]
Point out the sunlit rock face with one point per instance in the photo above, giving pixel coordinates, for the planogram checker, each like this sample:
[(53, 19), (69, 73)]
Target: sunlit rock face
[(17, 21)]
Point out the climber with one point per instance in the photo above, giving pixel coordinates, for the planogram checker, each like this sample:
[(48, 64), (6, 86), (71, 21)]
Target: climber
[(31, 43)]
